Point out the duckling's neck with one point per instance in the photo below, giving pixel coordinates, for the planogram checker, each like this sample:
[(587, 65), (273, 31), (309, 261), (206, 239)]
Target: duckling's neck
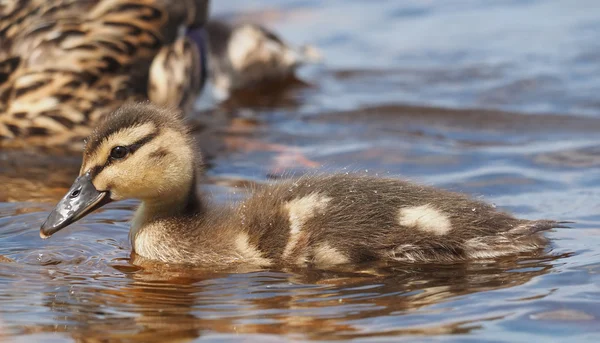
[(182, 203)]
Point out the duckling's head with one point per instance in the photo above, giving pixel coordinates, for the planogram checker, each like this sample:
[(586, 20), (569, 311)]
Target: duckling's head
[(140, 151)]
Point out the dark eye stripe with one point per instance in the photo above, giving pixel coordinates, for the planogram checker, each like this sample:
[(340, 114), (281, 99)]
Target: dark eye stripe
[(96, 170), (132, 148), (138, 144)]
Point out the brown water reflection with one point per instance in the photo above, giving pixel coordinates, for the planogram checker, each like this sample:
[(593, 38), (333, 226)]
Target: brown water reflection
[(164, 304)]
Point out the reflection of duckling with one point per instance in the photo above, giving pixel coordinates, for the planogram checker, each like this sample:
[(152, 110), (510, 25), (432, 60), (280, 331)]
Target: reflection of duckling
[(144, 152), (247, 55), (64, 64)]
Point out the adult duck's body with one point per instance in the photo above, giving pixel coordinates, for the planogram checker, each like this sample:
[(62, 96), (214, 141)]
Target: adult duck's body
[(144, 152), (66, 63)]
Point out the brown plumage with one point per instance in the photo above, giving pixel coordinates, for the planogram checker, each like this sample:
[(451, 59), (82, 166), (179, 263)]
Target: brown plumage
[(143, 151), (66, 63)]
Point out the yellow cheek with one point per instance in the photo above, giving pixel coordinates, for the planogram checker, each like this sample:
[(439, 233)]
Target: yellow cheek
[(132, 178), (101, 181)]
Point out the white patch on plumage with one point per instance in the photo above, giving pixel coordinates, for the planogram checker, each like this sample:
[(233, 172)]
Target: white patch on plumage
[(248, 253), (425, 218), (326, 255), (300, 210)]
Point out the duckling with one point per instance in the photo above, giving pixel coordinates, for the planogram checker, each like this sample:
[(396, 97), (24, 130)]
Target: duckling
[(247, 55), (145, 152), (66, 63)]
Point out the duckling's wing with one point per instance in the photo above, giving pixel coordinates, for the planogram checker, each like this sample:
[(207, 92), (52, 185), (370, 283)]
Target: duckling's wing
[(177, 74)]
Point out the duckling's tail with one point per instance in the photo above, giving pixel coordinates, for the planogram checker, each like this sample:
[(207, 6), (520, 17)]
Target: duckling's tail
[(531, 227)]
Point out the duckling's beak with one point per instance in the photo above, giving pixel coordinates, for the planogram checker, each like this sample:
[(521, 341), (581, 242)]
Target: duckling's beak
[(82, 198)]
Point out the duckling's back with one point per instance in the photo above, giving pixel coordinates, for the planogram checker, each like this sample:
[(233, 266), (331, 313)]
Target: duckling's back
[(341, 219)]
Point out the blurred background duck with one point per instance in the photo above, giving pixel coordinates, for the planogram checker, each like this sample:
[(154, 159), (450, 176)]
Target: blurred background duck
[(66, 63), (245, 56), (144, 152)]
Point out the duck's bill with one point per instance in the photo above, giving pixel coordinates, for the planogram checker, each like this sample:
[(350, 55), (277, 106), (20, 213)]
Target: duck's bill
[(82, 199)]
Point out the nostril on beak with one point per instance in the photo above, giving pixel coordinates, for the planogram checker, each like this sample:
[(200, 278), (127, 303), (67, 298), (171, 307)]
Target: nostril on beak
[(75, 193)]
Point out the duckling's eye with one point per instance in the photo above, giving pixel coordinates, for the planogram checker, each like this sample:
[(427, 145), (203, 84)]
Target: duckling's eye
[(118, 152)]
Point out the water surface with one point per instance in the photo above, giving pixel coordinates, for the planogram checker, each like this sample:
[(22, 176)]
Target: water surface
[(498, 100)]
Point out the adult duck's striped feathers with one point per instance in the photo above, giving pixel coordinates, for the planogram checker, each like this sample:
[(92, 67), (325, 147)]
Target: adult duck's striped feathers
[(175, 69), (66, 63)]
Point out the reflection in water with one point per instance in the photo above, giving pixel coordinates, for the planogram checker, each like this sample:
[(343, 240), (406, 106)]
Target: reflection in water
[(36, 175), (278, 95), (174, 304)]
